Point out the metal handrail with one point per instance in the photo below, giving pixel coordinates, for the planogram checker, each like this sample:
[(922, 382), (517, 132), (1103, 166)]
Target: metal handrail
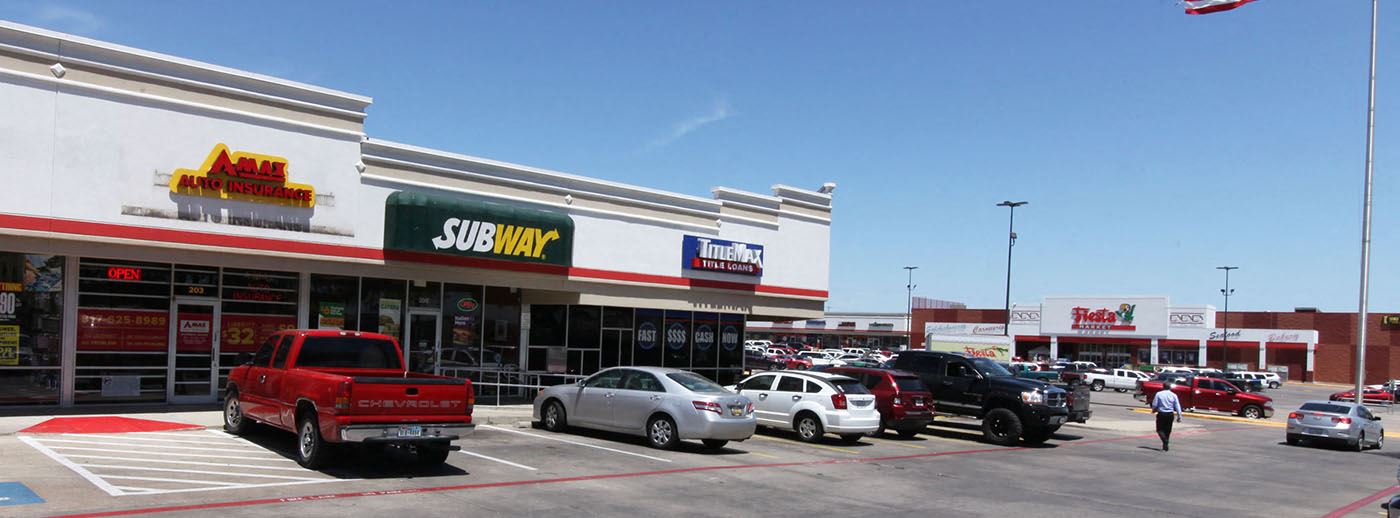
[(515, 380)]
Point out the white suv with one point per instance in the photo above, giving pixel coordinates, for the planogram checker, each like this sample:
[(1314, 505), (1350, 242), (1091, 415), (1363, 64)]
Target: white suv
[(821, 358), (1269, 379), (812, 404)]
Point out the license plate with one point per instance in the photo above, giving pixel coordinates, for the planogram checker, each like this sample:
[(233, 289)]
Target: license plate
[(410, 431), (1059, 419), (736, 410), (1314, 431), (918, 401)]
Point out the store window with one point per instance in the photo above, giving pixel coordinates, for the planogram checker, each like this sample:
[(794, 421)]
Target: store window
[(616, 348), (334, 303), (424, 295), (382, 306), (705, 353), (31, 318), (648, 346), (731, 354), (677, 340), (123, 331), (501, 333), (255, 304), (585, 337), (461, 332)]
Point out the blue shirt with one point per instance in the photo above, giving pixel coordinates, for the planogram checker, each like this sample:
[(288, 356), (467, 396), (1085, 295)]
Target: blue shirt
[(1166, 402)]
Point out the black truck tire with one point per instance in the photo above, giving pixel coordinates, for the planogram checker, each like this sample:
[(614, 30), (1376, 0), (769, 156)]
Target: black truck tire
[(1001, 427)]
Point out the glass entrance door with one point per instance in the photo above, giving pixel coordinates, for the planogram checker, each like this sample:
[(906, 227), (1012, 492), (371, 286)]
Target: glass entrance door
[(421, 341), (194, 352)]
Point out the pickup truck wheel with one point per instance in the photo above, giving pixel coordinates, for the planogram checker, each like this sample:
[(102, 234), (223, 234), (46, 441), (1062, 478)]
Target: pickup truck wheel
[(432, 454), (234, 421), (1097, 386), (662, 433), (809, 428), (1001, 427), (1251, 412), (554, 418), (311, 448)]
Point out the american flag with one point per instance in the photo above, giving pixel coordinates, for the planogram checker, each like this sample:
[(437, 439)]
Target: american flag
[(1212, 6)]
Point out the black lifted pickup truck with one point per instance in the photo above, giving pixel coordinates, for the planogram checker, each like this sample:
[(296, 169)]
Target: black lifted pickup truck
[(1010, 408)]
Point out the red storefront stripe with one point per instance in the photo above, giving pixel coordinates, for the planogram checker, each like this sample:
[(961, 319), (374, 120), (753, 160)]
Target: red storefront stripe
[(85, 228)]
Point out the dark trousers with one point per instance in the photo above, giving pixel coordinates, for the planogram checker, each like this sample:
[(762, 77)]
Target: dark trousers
[(1164, 426)]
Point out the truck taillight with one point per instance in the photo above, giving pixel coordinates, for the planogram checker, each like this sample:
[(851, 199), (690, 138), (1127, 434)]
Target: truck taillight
[(471, 398), (838, 400), (706, 406), (342, 398), (1342, 420)]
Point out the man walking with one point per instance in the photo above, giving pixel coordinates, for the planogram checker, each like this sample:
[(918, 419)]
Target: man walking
[(1166, 405)]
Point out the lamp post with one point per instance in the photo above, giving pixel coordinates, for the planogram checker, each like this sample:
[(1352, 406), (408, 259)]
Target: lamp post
[(1366, 218), (1227, 292), (909, 299), (1010, 242)]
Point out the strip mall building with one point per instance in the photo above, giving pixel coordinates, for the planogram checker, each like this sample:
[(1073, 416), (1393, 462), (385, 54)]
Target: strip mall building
[(162, 216), (1304, 344)]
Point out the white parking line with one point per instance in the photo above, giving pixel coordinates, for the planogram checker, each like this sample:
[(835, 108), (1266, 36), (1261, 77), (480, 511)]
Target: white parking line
[(574, 443), (181, 454), (493, 459), (166, 434), (118, 463), (144, 439)]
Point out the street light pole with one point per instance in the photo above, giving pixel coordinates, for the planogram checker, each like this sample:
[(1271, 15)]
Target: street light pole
[(1366, 218), (1010, 242), (909, 299), (1226, 292)]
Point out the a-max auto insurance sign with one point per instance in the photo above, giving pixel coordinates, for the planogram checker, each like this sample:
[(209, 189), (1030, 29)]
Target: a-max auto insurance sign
[(1105, 316)]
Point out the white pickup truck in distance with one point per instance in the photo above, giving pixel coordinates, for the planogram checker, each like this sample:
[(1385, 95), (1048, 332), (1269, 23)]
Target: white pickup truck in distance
[(1121, 380)]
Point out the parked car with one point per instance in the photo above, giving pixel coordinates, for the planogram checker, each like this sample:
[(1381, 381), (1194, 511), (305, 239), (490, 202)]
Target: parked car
[(1269, 379), (1011, 409), (1121, 380), (1202, 393), (820, 359), (757, 361), (664, 405), (812, 404), (859, 351), (1032, 371), (905, 404), (333, 387), (794, 362), (1243, 382), (758, 343), (1374, 395), (1348, 423)]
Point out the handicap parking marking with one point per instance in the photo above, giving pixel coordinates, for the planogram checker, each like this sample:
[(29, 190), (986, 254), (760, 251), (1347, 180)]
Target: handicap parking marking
[(151, 463), (576, 443), (16, 493)]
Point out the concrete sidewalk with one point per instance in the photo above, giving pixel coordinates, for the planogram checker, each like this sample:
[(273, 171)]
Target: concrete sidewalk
[(212, 417)]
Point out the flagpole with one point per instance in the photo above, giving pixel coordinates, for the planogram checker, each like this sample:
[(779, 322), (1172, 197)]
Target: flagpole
[(1366, 217)]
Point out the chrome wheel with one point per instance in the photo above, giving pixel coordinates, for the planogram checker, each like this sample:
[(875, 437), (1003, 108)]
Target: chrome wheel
[(807, 428), (551, 416), (307, 439), (661, 431), (233, 412), (1252, 412)]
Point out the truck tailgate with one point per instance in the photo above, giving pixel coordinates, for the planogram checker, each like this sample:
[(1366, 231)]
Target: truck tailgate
[(409, 396)]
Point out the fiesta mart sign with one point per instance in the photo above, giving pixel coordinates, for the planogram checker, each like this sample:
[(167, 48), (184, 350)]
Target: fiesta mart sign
[(1105, 316)]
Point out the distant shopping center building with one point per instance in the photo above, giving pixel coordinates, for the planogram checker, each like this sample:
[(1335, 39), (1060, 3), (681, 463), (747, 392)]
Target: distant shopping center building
[(161, 216), (1303, 344), (838, 329)]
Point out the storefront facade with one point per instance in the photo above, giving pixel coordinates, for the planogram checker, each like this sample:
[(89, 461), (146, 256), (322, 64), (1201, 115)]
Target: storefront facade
[(163, 216), (836, 330), (1130, 330)]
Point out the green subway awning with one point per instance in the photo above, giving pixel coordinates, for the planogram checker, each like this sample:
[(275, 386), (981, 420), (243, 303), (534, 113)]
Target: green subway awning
[(418, 222)]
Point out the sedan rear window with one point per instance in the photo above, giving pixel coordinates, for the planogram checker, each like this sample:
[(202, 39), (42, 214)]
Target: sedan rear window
[(349, 352), (1324, 407), (850, 387), (910, 384), (696, 383)]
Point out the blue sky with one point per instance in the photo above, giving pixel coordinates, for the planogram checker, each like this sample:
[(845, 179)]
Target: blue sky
[(1153, 146)]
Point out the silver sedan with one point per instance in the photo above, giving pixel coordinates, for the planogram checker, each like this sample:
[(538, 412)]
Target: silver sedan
[(1337, 421), (664, 405)]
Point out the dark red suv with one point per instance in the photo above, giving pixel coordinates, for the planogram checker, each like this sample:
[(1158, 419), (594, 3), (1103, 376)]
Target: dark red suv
[(906, 405)]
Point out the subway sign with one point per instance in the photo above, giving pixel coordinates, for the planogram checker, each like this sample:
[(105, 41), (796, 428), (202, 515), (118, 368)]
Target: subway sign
[(719, 255), (416, 222)]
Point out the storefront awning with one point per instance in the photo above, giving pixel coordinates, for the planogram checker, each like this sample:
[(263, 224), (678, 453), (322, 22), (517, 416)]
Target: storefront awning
[(418, 222)]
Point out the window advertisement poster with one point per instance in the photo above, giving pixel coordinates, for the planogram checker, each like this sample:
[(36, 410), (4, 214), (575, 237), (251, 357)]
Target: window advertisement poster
[(195, 332), (123, 329), (244, 333), (330, 315), (9, 345), (465, 313), (390, 316)]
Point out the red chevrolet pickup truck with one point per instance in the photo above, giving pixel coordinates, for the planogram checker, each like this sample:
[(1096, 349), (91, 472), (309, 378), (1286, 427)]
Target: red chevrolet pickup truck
[(1198, 393), (332, 387)]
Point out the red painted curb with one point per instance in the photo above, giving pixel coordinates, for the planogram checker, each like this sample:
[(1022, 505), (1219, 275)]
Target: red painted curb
[(106, 424)]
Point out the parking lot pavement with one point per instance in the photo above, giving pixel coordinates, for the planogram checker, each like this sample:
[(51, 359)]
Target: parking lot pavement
[(1286, 399), (1219, 468)]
